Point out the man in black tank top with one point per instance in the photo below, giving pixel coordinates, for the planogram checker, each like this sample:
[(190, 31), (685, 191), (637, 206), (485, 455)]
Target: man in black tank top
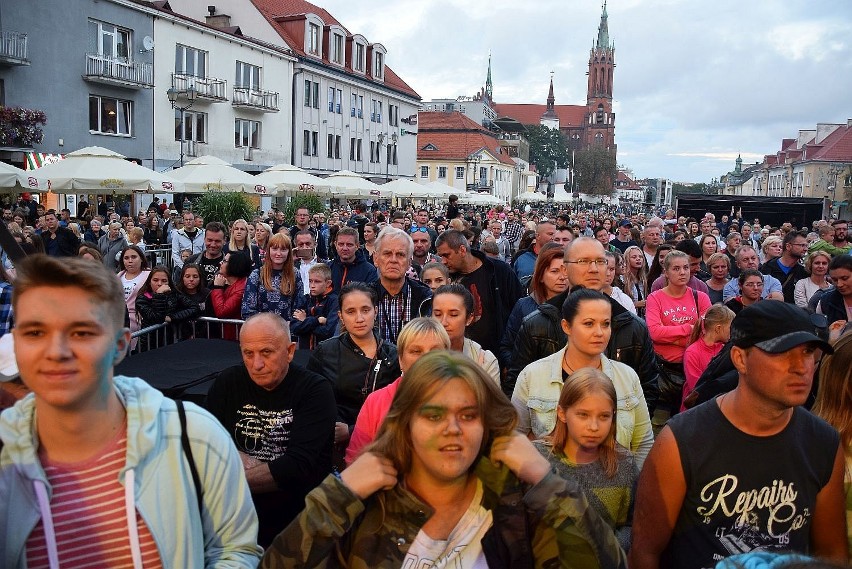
[(752, 469)]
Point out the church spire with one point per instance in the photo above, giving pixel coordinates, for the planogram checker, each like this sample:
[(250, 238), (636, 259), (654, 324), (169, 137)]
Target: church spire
[(550, 113), (603, 30), (488, 85)]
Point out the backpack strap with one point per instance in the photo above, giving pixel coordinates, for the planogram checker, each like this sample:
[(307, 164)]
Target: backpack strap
[(187, 450)]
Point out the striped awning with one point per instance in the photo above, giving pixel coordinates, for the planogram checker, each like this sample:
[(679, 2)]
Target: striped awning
[(33, 160)]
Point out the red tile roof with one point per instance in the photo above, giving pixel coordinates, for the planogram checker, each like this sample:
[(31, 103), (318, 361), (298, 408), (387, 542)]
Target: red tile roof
[(439, 120), (458, 145), (272, 9), (836, 146), (569, 115)]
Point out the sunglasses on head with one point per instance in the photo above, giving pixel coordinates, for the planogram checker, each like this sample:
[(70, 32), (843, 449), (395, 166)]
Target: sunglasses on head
[(416, 229)]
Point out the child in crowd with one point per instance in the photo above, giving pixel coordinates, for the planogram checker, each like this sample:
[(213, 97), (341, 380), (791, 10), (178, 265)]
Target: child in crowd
[(582, 447), (709, 335), (434, 275), (315, 316), (157, 302), (190, 286)]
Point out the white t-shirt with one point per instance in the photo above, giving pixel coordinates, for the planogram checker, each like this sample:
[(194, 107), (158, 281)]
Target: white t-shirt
[(463, 548)]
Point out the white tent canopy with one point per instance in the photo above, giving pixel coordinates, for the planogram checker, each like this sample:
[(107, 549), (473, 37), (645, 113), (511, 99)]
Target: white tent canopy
[(561, 196), (473, 198), (99, 170), (13, 178), (348, 184), (403, 188), (290, 178), (211, 174), (442, 190), (532, 197)]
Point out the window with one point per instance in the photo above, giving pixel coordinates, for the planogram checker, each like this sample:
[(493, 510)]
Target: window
[(459, 172), (483, 173), (424, 171), (360, 112), (338, 102), (393, 115), (331, 99), (376, 114), (247, 76), (190, 61), (379, 68), (355, 148), (358, 57), (391, 154), (194, 126), (306, 143), (313, 38), (334, 146), (374, 146), (109, 41), (442, 172), (357, 106), (246, 133), (110, 116), (337, 49), (335, 100), (311, 94)]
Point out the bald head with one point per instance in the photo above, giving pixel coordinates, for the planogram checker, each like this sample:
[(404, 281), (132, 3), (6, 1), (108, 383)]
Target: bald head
[(266, 349)]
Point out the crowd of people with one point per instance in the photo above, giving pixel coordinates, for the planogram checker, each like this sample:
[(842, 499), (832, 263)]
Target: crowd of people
[(483, 388)]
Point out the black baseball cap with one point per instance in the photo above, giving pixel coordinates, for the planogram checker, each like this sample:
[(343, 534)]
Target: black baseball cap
[(775, 327)]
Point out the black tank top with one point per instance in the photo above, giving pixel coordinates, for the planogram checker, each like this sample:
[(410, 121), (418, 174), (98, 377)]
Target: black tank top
[(744, 492)]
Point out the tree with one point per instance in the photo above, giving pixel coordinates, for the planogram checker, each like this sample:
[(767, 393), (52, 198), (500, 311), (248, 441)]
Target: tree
[(548, 150), (595, 169)]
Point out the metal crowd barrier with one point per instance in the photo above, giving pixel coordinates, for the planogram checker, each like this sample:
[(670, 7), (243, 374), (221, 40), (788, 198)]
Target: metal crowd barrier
[(160, 256), (164, 334)]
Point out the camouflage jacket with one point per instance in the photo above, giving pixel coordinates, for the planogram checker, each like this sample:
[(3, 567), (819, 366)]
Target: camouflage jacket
[(549, 525)]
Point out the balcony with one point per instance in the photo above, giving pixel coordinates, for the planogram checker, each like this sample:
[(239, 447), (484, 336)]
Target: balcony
[(13, 48), (480, 185), (117, 71), (255, 99), (206, 88)]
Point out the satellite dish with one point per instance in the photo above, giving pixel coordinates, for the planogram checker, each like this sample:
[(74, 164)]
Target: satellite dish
[(148, 43)]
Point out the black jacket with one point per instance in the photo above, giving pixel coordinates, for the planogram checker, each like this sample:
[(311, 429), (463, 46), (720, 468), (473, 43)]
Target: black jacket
[(353, 375), (541, 335), (788, 280), (67, 244), (154, 309), (832, 306), (507, 290)]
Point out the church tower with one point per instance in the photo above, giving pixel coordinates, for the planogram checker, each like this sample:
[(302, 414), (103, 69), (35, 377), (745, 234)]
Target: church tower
[(489, 88), (600, 120)]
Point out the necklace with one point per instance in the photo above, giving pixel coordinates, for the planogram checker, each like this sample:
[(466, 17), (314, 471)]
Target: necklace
[(570, 369)]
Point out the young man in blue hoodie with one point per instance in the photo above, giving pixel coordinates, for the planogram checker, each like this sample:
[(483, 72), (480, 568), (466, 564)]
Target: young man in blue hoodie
[(89, 450)]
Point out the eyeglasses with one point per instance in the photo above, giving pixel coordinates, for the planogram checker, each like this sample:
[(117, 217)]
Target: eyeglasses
[(753, 285), (586, 263)]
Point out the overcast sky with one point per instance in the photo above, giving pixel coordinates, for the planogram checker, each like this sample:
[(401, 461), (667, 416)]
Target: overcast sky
[(696, 82)]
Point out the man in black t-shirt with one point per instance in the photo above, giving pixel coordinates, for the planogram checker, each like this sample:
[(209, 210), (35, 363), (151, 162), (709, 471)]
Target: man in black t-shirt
[(750, 470), (281, 417), (210, 259)]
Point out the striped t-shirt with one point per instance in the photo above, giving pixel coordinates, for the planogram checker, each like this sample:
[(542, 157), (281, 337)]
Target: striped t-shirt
[(89, 516)]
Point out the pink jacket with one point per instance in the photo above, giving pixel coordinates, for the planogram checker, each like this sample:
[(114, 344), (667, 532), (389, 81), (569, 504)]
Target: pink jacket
[(369, 419)]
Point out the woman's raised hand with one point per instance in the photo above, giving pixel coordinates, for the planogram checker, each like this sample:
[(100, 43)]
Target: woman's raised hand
[(517, 452), (369, 474)]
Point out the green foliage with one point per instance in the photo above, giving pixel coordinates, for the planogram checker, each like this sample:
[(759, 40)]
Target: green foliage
[(225, 207), (595, 169), (311, 201), (548, 150)]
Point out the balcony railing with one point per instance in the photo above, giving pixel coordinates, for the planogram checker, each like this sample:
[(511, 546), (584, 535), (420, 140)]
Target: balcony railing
[(13, 48), (107, 69), (208, 88), (480, 185), (248, 98)]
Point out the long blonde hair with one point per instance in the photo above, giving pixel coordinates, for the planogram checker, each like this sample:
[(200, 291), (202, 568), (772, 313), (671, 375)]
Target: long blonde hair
[(639, 278), (834, 397), (288, 274), (232, 245), (579, 385)]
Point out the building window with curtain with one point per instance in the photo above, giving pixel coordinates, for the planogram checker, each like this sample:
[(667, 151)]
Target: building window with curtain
[(246, 133), (110, 116)]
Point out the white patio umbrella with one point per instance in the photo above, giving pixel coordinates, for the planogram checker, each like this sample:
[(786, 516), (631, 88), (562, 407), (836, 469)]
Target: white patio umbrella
[(348, 184), (403, 188), (561, 196), (290, 178), (473, 198), (211, 174), (532, 197), (99, 170), (442, 190), (15, 179)]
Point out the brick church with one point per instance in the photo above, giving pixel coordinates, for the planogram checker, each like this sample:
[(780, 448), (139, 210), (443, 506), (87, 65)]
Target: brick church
[(582, 125)]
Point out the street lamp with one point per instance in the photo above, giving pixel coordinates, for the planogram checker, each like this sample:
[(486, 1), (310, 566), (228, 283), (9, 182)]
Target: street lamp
[(174, 95)]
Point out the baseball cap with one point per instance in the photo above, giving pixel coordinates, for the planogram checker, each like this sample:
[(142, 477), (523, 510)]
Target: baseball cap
[(26, 196), (775, 327), (625, 223)]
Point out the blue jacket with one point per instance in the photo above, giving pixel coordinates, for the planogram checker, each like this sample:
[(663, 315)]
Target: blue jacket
[(358, 270), (309, 332), (223, 536)]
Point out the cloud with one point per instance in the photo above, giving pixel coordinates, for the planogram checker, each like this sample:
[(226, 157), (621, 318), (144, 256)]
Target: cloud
[(695, 83)]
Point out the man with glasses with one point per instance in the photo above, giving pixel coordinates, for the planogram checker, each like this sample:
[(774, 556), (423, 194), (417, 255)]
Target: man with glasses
[(303, 218), (746, 257), (841, 240), (788, 268), (541, 333)]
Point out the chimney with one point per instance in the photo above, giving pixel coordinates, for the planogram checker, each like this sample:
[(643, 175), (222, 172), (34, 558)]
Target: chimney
[(218, 21)]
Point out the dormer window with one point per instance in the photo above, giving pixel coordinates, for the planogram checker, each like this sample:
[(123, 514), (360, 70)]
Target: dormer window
[(337, 49), (379, 68), (313, 39), (359, 54)]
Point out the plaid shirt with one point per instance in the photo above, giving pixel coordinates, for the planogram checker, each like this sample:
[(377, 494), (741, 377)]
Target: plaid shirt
[(5, 308), (393, 313), (512, 231)]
